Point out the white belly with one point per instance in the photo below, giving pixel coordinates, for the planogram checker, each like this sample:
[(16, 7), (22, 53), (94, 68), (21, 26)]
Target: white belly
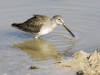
[(44, 31)]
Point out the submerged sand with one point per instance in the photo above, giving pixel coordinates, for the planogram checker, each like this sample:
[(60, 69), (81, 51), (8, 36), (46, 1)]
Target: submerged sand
[(83, 63)]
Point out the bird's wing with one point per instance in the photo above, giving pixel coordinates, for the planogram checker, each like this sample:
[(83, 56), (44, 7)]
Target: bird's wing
[(34, 24)]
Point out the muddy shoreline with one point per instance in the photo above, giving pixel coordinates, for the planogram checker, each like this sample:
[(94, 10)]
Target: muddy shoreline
[(83, 63)]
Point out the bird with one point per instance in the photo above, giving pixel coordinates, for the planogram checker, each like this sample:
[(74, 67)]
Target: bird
[(40, 25)]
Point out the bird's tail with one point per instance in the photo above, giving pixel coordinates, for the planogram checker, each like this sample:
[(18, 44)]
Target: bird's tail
[(17, 25)]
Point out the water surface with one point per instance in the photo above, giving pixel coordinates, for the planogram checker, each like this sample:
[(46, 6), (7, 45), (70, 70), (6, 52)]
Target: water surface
[(19, 50)]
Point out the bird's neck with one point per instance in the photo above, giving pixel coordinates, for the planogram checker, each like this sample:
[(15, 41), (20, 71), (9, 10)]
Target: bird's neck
[(54, 24)]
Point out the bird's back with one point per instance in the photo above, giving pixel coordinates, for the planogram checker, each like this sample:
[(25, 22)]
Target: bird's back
[(34, 24)]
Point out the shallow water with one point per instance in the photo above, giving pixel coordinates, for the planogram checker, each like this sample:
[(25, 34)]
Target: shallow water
[(17, 48)]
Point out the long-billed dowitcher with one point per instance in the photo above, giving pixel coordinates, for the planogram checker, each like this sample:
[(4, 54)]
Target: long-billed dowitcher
[(40, 25)]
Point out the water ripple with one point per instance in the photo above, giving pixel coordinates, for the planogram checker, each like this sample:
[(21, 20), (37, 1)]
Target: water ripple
[(82, 18)]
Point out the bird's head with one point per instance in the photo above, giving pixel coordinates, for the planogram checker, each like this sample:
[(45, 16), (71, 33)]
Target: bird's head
[(59, 20)]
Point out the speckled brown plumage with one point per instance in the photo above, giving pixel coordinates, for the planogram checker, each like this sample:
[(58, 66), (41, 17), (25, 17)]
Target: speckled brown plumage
[(32, 25)]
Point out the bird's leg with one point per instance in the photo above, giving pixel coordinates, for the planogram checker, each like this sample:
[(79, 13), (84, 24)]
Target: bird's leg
[(36, 37)]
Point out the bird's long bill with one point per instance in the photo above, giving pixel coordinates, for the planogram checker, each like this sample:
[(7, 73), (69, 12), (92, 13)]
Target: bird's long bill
[(68, 30)]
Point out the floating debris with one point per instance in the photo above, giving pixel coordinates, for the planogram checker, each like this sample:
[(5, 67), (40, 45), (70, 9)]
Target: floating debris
[(33, 68)]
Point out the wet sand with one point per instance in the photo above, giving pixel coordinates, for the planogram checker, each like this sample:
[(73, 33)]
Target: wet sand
[(83, 63)]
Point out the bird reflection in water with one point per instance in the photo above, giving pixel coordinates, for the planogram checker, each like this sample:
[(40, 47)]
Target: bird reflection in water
[(40, 49)]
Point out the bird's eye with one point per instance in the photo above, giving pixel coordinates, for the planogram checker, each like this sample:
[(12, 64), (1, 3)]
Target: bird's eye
[(58, 19)]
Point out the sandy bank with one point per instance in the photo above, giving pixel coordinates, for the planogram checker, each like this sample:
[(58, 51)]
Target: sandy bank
[(83, 63)]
